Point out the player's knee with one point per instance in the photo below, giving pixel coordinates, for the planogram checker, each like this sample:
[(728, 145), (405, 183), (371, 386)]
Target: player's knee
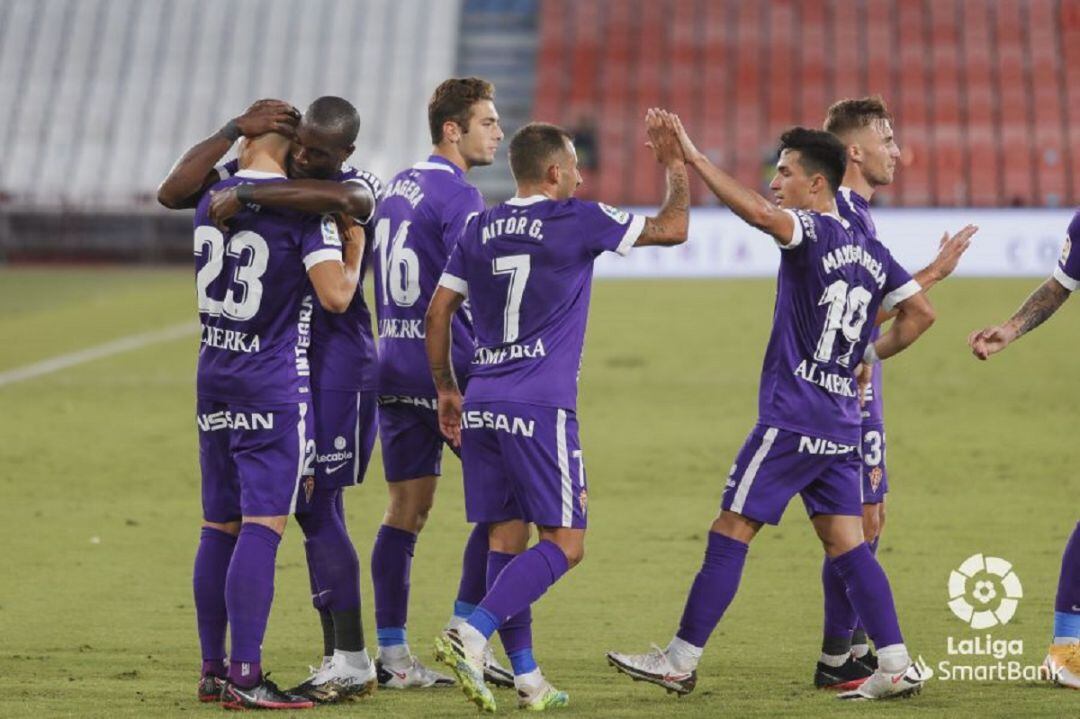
[(881, 519), (574, 554), (232, 528)]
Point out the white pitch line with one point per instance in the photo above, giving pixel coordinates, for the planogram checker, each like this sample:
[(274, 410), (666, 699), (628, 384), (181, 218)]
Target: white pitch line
[(124, 344)]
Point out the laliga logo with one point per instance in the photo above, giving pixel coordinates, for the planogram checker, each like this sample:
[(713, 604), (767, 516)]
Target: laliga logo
[(984, 591)]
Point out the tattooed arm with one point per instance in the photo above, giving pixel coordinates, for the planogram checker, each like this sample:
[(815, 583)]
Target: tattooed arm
[(444, 303), (1036, 309), (671, 224), (750, 206)]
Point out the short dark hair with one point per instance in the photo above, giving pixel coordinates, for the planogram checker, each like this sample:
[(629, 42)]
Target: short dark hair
[(854, 114), (532, 146), (819, 151), (453, 101), (334, 115)]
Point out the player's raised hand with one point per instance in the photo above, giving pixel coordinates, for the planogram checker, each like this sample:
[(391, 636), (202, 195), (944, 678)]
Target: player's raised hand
[(223, 205), (690, 151), (950, 249), (663, 140), (989, 341), (450, 416), (268, 116)]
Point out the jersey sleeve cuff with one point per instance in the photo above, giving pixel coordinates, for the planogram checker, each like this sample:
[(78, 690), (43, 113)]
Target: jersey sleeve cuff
[(314, 258), (222, 171), (901, 293), (374, 199), (633, 232), (1067, 282), (454, 283), (796, 233)]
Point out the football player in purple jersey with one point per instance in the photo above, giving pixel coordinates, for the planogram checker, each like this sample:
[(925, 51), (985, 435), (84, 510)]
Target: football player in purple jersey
[(831, 282), (254, 286), (342, 352), (526, 267), (1063, 658), (415, 227), (865, 127)]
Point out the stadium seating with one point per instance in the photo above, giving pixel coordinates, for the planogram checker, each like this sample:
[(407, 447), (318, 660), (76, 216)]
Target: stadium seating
[(983, 91), (101, 96)]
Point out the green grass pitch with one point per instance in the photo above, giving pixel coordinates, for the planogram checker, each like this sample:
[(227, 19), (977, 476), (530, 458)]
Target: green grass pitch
[(100, 504)]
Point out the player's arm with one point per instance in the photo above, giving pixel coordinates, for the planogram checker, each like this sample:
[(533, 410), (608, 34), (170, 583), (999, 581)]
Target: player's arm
[(194, 172), (672, 222), (444, 303), (335, 281), (914, 315), (354, 199), (1037, 308), (950, 249), (750, 206)]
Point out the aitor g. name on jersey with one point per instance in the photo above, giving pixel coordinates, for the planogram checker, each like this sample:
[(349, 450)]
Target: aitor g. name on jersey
[(255, 303)]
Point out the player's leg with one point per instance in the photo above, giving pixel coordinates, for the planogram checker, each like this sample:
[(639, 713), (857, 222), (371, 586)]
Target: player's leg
[(834, 502), (1063, 659), (217, 539), (270, 463), (489, 501), (760, 484), (345, 426), (873, 523), (844, 640), (412, 455), (476, 577), (535, 474)]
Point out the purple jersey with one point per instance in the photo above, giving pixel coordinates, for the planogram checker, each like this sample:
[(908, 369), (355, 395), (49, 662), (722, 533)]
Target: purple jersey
[(855, 209), (418, 221), (255, 302), (526, 266), (1067, 271), (342, 345), (832, 280)]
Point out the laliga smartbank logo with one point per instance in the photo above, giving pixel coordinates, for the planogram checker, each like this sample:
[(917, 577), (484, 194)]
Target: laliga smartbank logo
[(984, 592)]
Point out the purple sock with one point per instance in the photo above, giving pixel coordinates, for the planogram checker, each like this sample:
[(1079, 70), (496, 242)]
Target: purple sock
[(211, 567), (870, 594), (391, 560), (515, 632), (1068, 591), (713, 589), (858, 634), (840, 618), (332, 560), (474, 569), (519, 584), (249, 592)]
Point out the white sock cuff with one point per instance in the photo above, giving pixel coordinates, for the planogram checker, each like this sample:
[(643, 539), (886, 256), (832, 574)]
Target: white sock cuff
[(1066, 640), (893, 658), (684, 648), (529, 680), (355, 660), (834, 660)]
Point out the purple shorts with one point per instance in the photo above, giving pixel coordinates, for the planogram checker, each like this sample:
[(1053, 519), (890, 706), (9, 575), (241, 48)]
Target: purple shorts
[(522, 461), (409, 433), (345, 426), (875, 475), (774, 465), (252, 458)]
